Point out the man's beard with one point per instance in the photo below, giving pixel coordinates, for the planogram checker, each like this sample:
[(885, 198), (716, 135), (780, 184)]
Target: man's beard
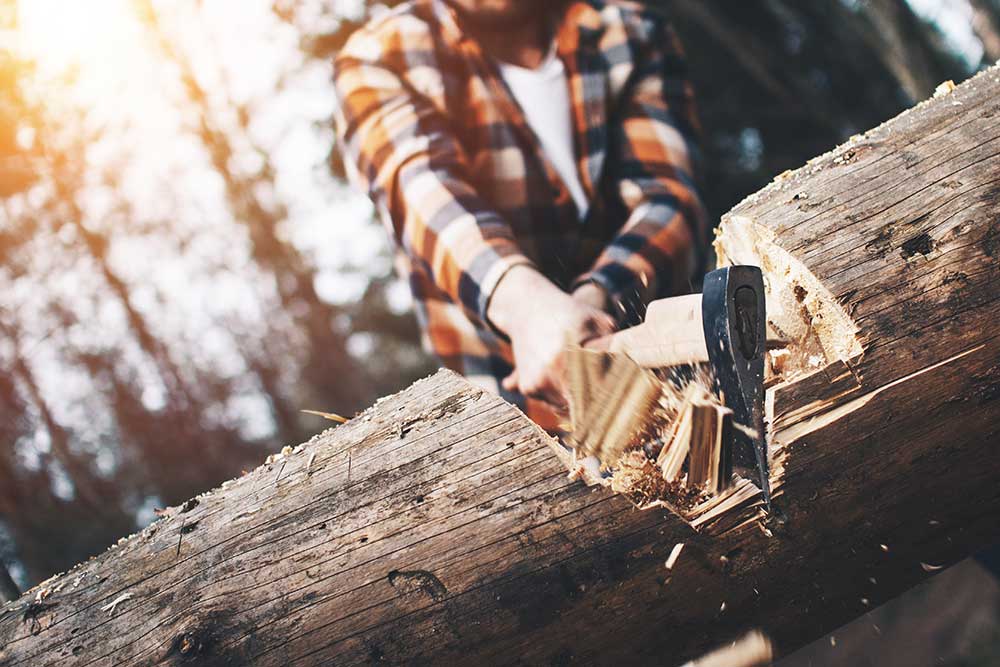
[(497, 19)]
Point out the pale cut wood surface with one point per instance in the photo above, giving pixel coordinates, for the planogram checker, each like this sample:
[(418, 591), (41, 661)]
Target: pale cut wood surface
[(438, 527)]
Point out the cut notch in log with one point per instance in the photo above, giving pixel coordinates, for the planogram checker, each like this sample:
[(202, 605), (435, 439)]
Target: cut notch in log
[(616, 408), (813, 325)]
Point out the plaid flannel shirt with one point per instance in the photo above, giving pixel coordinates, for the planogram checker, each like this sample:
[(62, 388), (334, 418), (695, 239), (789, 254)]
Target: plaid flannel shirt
[(430, 130)]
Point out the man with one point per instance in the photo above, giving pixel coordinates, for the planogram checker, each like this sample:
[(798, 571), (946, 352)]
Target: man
[(533, 162)]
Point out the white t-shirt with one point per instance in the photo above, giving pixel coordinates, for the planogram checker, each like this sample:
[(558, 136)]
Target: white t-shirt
[(543, 94)]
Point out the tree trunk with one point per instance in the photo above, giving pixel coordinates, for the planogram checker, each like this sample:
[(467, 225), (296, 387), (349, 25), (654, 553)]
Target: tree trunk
[(986, 25), (438, 527), (901, 39), (8, 589)]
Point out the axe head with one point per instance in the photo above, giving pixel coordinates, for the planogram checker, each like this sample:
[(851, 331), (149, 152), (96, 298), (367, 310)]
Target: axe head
[(734, 321)]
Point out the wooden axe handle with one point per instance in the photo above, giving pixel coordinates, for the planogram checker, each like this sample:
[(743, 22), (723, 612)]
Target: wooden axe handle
[(672, 334)]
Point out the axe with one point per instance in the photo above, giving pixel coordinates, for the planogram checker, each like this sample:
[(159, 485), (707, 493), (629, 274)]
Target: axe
[(723, 327)]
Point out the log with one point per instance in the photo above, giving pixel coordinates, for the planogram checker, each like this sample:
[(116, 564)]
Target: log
[(438, 527)]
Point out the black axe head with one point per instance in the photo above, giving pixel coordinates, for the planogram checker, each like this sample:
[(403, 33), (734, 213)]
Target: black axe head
[(735, 321)]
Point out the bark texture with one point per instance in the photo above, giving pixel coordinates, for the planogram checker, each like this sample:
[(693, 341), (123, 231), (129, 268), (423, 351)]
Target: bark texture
[(438, 527)]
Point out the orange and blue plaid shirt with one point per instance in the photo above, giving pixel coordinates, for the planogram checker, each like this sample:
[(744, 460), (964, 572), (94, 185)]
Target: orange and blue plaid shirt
[(430, 130)]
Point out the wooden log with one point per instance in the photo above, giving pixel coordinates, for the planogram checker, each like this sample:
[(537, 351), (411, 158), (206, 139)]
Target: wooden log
[(438, 527)]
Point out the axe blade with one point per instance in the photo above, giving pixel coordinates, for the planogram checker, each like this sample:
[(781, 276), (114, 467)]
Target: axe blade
[(734, 318)]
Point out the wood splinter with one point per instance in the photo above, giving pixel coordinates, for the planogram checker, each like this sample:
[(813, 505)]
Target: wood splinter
[(751, 650), (703, 434)]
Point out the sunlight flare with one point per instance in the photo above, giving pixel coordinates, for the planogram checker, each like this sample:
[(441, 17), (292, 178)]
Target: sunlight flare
[(66, 33)]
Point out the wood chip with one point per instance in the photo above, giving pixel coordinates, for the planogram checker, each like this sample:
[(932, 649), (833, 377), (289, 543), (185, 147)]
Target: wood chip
[(326, 415), (611, 400), (111, 606), (674, 555), (752, 650), (944, 88)]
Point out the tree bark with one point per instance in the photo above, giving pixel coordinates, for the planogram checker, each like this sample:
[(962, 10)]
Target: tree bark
[(437, 527)]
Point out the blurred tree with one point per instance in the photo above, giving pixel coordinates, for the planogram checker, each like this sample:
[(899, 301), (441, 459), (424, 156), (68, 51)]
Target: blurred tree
[(780, 82), (327, 361), (986, 24), (102, 423)]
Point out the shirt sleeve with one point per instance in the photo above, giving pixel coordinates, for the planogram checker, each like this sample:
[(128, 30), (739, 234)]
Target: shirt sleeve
[(399, 147), (665, 234)]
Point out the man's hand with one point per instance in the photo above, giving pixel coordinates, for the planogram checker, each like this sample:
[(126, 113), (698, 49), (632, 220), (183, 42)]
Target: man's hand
[(593, 295), (540, 320)]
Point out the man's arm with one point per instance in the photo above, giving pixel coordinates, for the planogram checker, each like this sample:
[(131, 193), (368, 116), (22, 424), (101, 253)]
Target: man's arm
[(401, 148), (659, 246)]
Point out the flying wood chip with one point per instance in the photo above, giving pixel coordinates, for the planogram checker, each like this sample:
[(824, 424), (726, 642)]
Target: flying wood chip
[(326, 415), (612, 402)]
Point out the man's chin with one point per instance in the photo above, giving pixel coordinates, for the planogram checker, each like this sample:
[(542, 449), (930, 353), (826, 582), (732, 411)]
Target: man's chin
[(500, 16)]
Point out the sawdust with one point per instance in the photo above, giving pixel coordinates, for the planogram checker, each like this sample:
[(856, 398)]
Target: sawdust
[(638, 478)]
